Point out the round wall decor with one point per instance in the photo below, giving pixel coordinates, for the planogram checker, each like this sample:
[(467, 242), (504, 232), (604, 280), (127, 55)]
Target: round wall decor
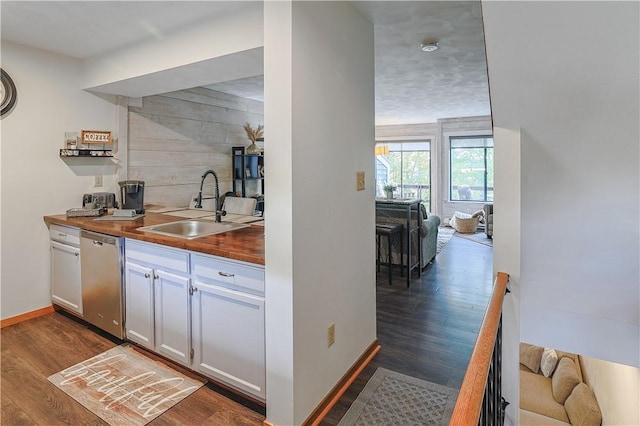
[(8, 93)]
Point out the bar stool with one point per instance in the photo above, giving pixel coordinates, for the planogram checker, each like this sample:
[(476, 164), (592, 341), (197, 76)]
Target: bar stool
[(391, 231)]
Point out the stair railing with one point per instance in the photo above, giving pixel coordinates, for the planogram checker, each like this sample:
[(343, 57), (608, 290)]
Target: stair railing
[(480, 399)]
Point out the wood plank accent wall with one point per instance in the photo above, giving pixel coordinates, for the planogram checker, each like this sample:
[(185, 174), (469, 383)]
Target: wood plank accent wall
[(175, 137)]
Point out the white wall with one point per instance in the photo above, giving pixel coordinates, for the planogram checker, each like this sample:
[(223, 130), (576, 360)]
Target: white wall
[(227, 47), (279, 231), (577, 116), (319, 110), (35, 181), (580, 160), (506, 256), (617, 389)]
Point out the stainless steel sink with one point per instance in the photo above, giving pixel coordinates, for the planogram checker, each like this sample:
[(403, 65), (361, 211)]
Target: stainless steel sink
[(193, 228)]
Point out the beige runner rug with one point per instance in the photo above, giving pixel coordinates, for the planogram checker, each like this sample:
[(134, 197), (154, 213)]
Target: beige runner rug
[(124, 387)]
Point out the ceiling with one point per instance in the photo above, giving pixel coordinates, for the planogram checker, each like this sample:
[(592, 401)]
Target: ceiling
[(411, 86)]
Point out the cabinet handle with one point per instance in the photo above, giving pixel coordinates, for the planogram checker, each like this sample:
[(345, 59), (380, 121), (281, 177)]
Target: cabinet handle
[(62, 235), (192, 290), (77, 254), (147, 275), (155, 277), (225, 274)]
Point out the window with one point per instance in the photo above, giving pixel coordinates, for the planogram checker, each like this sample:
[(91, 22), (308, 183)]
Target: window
[(407, 165), (471, 168)]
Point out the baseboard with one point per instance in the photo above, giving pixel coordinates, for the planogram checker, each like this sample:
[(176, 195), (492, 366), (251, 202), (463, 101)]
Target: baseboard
[(343, 384), (26, 316)]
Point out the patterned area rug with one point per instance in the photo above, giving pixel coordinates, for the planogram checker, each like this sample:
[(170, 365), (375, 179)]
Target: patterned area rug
[(444, 234), (123, 387), (391, 398)]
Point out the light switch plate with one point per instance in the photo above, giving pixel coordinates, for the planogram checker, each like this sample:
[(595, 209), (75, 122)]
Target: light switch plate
[(97, 181), (359, 181)]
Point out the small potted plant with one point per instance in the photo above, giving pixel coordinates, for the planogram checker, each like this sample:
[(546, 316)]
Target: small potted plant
[(253, 135), (388, 189)]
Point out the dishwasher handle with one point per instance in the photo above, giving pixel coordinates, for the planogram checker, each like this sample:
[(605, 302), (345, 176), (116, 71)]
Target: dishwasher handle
[(99, 239)]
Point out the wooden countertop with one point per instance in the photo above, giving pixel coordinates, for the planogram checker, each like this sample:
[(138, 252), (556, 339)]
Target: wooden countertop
[(246, 244)]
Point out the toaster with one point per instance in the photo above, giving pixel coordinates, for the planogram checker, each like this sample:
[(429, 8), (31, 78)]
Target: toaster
[(102, 199)]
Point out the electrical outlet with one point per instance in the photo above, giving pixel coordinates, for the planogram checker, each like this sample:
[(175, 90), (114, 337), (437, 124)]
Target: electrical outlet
[(97, 181), (359, 181), (331, 335)]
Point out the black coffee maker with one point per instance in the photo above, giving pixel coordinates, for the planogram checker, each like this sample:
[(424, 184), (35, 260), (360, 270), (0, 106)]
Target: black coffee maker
[(132, 195)]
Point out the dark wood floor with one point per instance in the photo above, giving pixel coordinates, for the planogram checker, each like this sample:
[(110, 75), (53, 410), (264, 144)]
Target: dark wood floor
[(426, 331)]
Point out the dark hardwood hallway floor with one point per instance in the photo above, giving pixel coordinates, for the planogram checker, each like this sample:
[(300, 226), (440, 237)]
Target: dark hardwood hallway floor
[(426, 331)]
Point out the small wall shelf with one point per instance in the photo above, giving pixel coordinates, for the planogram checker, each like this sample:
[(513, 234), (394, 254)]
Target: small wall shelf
[(86, 153)]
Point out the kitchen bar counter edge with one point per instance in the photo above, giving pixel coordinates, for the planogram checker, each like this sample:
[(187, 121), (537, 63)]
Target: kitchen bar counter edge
[(246, 244)]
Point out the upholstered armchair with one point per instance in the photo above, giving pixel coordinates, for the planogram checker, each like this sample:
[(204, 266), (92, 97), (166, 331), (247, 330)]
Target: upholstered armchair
[(488, 220)]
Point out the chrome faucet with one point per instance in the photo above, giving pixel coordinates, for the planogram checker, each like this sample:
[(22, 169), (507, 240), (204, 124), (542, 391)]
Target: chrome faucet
[(219, 211)]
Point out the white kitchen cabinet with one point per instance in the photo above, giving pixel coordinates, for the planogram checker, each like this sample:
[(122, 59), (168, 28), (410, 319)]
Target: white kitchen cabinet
[(172, 322), (66, 283), (158, 312), (139, 305), (203, 311), (228, 323)]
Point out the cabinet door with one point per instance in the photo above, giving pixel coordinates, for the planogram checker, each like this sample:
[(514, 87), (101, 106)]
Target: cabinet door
[(66, 288), (228, 337), (139, 304), (173, 322)]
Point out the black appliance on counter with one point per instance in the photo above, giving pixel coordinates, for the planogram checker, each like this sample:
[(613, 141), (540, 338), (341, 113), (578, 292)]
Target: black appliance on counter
[(132, 195)]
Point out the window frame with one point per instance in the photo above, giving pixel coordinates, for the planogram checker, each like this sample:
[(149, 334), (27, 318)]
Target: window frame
[(450, 148), (422, 140)]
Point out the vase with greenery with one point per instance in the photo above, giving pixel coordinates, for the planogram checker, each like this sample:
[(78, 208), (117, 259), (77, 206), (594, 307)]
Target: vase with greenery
[(388, 189), (253, 135)]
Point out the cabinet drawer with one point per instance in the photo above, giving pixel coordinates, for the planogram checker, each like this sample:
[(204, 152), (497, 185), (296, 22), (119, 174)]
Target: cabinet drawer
[(154, 254), (65, 234), (233, 275)]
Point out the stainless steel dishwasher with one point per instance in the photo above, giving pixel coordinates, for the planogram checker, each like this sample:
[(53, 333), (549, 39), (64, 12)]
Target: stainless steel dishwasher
[(101, 259)]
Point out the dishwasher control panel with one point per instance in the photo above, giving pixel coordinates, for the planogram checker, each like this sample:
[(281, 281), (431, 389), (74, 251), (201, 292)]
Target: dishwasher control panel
[(64, 234)]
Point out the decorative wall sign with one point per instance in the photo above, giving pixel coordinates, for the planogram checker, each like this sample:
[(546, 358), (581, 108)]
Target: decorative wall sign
[(95, 136), (8, 93)]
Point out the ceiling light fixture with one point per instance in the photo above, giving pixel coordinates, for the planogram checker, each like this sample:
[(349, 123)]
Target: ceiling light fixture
[(429, 46)]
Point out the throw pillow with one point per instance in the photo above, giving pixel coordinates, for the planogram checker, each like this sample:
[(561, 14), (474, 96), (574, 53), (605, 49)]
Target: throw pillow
[(564, 380), (582, 407), (530, 356), (548, 361)]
